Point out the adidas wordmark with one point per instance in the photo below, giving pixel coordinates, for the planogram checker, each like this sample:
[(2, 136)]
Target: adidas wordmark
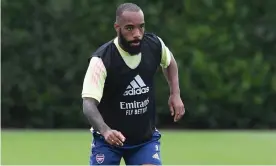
[(136, 87)]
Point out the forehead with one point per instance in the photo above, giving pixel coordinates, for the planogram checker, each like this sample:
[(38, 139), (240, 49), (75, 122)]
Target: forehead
[(128, 17)]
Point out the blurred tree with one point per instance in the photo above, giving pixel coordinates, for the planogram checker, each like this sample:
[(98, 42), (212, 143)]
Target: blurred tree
[(225, 51)]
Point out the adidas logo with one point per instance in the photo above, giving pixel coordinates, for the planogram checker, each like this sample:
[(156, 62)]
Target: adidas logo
[(136, 87), (156, 156)]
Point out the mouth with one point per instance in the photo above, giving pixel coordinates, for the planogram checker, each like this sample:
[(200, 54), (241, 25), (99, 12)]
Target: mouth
[(135, 43)]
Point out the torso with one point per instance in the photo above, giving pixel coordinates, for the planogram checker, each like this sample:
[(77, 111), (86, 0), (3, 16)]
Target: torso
[(128, 103)]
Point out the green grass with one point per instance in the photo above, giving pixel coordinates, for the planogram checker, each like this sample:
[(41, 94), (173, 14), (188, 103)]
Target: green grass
[(181, 147)]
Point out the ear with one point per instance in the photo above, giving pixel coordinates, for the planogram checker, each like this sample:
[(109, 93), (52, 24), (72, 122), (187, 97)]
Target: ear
[(116, 27)]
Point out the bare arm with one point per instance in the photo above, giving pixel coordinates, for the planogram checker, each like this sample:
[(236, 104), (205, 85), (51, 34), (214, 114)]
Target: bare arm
[(92, 92), (171, 75), (170, 71), (93, 115), (175, 103)]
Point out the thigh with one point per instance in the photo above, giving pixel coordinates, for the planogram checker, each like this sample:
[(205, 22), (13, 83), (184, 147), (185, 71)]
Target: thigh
[(104, 154), (148, 153)]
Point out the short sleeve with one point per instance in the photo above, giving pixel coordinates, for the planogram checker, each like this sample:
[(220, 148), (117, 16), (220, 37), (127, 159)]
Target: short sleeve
[(94, 79), (166, 55)]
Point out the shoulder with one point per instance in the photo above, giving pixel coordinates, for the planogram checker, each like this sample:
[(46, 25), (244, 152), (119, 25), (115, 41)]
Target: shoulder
[(151, 37), (154, 40), (104, 52)]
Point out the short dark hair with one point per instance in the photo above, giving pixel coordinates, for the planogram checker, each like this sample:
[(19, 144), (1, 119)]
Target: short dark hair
[(131, 7)]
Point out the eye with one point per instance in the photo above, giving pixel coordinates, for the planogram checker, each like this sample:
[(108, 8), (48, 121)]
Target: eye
[(142, 25), (129, 28)]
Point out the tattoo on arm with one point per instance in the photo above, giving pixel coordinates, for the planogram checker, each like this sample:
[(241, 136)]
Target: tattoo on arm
[(93, 115)]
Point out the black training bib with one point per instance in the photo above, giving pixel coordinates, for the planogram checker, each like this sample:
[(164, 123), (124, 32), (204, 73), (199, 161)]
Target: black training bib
[(128, 102)]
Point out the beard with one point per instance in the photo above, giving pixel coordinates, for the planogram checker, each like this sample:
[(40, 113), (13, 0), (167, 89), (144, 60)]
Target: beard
[(132, 50)]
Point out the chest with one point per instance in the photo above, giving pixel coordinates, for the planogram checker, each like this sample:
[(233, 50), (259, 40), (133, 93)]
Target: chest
[(132, 73)]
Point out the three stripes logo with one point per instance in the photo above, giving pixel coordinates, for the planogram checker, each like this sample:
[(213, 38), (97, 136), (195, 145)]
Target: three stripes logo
[(136, 87)]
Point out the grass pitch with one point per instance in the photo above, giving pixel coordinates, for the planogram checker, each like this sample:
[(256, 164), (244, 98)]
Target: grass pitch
[(25, 147)]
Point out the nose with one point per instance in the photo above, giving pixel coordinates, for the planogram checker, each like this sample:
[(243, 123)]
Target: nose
[(137, 34)]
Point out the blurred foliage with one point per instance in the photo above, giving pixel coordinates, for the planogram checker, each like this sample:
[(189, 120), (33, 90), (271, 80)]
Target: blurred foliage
[(225, 50)]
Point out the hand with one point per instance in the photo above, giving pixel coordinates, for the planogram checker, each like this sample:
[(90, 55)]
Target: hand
[(114, 137), (176, 107)]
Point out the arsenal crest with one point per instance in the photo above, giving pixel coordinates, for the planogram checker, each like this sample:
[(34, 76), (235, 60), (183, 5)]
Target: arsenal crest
[(100, 158)]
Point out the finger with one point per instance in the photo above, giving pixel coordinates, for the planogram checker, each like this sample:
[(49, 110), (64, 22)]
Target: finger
[(180, 113), (177, 113), (183, 111), (109, 140), (171, 109), (115, 140), (120, 136)]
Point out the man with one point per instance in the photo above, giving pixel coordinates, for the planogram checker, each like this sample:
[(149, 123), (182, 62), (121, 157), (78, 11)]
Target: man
[(118, 92)]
